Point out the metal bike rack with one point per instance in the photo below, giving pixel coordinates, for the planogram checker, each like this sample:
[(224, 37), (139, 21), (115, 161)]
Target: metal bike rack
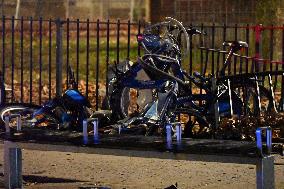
[(19, 121), (12, 165), (95, 127), (265, 161), (7, 122), (169, 143), (178, 132), (12, 158), (178, 136)]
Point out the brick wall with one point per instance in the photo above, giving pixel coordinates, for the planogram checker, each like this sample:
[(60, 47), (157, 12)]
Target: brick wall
[(83, 9), (161, 8), (205, 11), (34, 8)]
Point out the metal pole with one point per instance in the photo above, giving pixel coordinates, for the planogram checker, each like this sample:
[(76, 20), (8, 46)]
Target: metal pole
[(265, 172), (178, 135), (96, 131), (97, 64), (59, 58), (281, 103), (12, 159), (214, 90), (169, 136), (85, 131), (265, 161), (178, 132), (12, 166), (3, 94), (31, 60), (19, 123), (22, 58), (95, 127), (7, 126)]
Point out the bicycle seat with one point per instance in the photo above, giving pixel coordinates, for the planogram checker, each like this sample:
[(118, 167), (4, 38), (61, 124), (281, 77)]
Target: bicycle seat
[(238, 44)]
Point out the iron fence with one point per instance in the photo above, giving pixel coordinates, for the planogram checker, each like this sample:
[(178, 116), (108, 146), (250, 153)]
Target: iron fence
[(36, 54)]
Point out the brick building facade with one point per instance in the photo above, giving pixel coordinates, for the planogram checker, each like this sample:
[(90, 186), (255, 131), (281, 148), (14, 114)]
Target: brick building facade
[(208, 11), (83, 9), (188, 11)]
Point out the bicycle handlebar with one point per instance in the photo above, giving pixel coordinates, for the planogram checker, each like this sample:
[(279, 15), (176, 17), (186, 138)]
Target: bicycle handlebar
[(185, 33)]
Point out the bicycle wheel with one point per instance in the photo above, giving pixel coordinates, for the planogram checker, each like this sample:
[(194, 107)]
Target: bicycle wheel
[(129, 101), (14, 111), (125, 101)]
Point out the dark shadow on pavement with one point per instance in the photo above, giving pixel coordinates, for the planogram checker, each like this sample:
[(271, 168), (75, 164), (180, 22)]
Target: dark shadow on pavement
[(95, 187), (45, 179)]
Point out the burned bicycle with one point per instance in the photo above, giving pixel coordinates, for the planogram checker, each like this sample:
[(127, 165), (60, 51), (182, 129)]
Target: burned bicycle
[(65, 112), (170, 87)]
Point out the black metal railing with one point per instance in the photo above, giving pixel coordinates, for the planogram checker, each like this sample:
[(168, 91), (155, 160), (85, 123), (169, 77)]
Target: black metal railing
[(36, 54)]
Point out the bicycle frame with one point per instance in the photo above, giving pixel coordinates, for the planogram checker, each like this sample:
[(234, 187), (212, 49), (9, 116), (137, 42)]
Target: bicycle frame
[(166, 66)]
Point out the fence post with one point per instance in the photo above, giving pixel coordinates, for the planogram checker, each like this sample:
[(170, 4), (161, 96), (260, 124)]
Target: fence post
[(214, 89), (3, 97), (59, 57), (2, 93), (281, 103)]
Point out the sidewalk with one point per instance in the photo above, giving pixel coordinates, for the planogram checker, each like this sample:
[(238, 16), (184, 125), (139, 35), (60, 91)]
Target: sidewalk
[(46, 170)]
